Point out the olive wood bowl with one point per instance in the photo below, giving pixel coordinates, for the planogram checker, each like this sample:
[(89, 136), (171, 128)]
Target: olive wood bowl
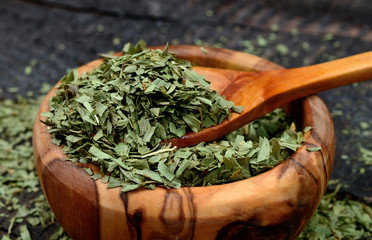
[(274, 205)]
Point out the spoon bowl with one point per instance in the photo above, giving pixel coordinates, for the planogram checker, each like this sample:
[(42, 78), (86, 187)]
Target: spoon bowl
[(274, 205)]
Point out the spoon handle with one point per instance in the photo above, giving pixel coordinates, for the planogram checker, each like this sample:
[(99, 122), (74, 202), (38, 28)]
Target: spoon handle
[(291, 84), (262, 92)]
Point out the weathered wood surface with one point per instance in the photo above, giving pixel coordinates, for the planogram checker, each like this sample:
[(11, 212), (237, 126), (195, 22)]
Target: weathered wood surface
[(274, 205), (64, 34)]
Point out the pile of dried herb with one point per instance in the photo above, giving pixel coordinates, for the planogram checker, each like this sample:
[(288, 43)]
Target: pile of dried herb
[(118, 115)]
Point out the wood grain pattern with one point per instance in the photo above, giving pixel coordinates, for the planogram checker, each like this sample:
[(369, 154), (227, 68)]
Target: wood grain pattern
[(274, 205)]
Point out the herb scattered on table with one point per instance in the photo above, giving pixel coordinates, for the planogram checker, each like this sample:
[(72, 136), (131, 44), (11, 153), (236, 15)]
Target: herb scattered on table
[(366, 155), (118, 115), (339, 218), (21, 199)]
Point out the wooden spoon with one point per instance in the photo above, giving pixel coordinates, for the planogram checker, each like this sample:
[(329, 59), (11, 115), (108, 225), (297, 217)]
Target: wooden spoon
[(262, 92)]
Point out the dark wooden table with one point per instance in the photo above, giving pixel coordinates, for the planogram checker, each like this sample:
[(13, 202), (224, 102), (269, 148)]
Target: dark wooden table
[(54, 35)]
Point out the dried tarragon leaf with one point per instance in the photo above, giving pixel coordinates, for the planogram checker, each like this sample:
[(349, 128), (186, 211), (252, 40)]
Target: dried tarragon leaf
[(118, 116)]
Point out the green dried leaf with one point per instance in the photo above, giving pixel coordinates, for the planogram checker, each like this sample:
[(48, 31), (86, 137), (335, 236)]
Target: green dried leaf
[(149, 133), (150, 174), (89, 171), (130, 187), (130, 69), (314, 149), (366, 155), (73, 138), (98, 153), (25, 234), (165, 171), (122, 150), (264, 149), (192, 121), (96, 176), (5, 237)]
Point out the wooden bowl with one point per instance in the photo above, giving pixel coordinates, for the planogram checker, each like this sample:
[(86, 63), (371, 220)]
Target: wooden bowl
[(274, 205)]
